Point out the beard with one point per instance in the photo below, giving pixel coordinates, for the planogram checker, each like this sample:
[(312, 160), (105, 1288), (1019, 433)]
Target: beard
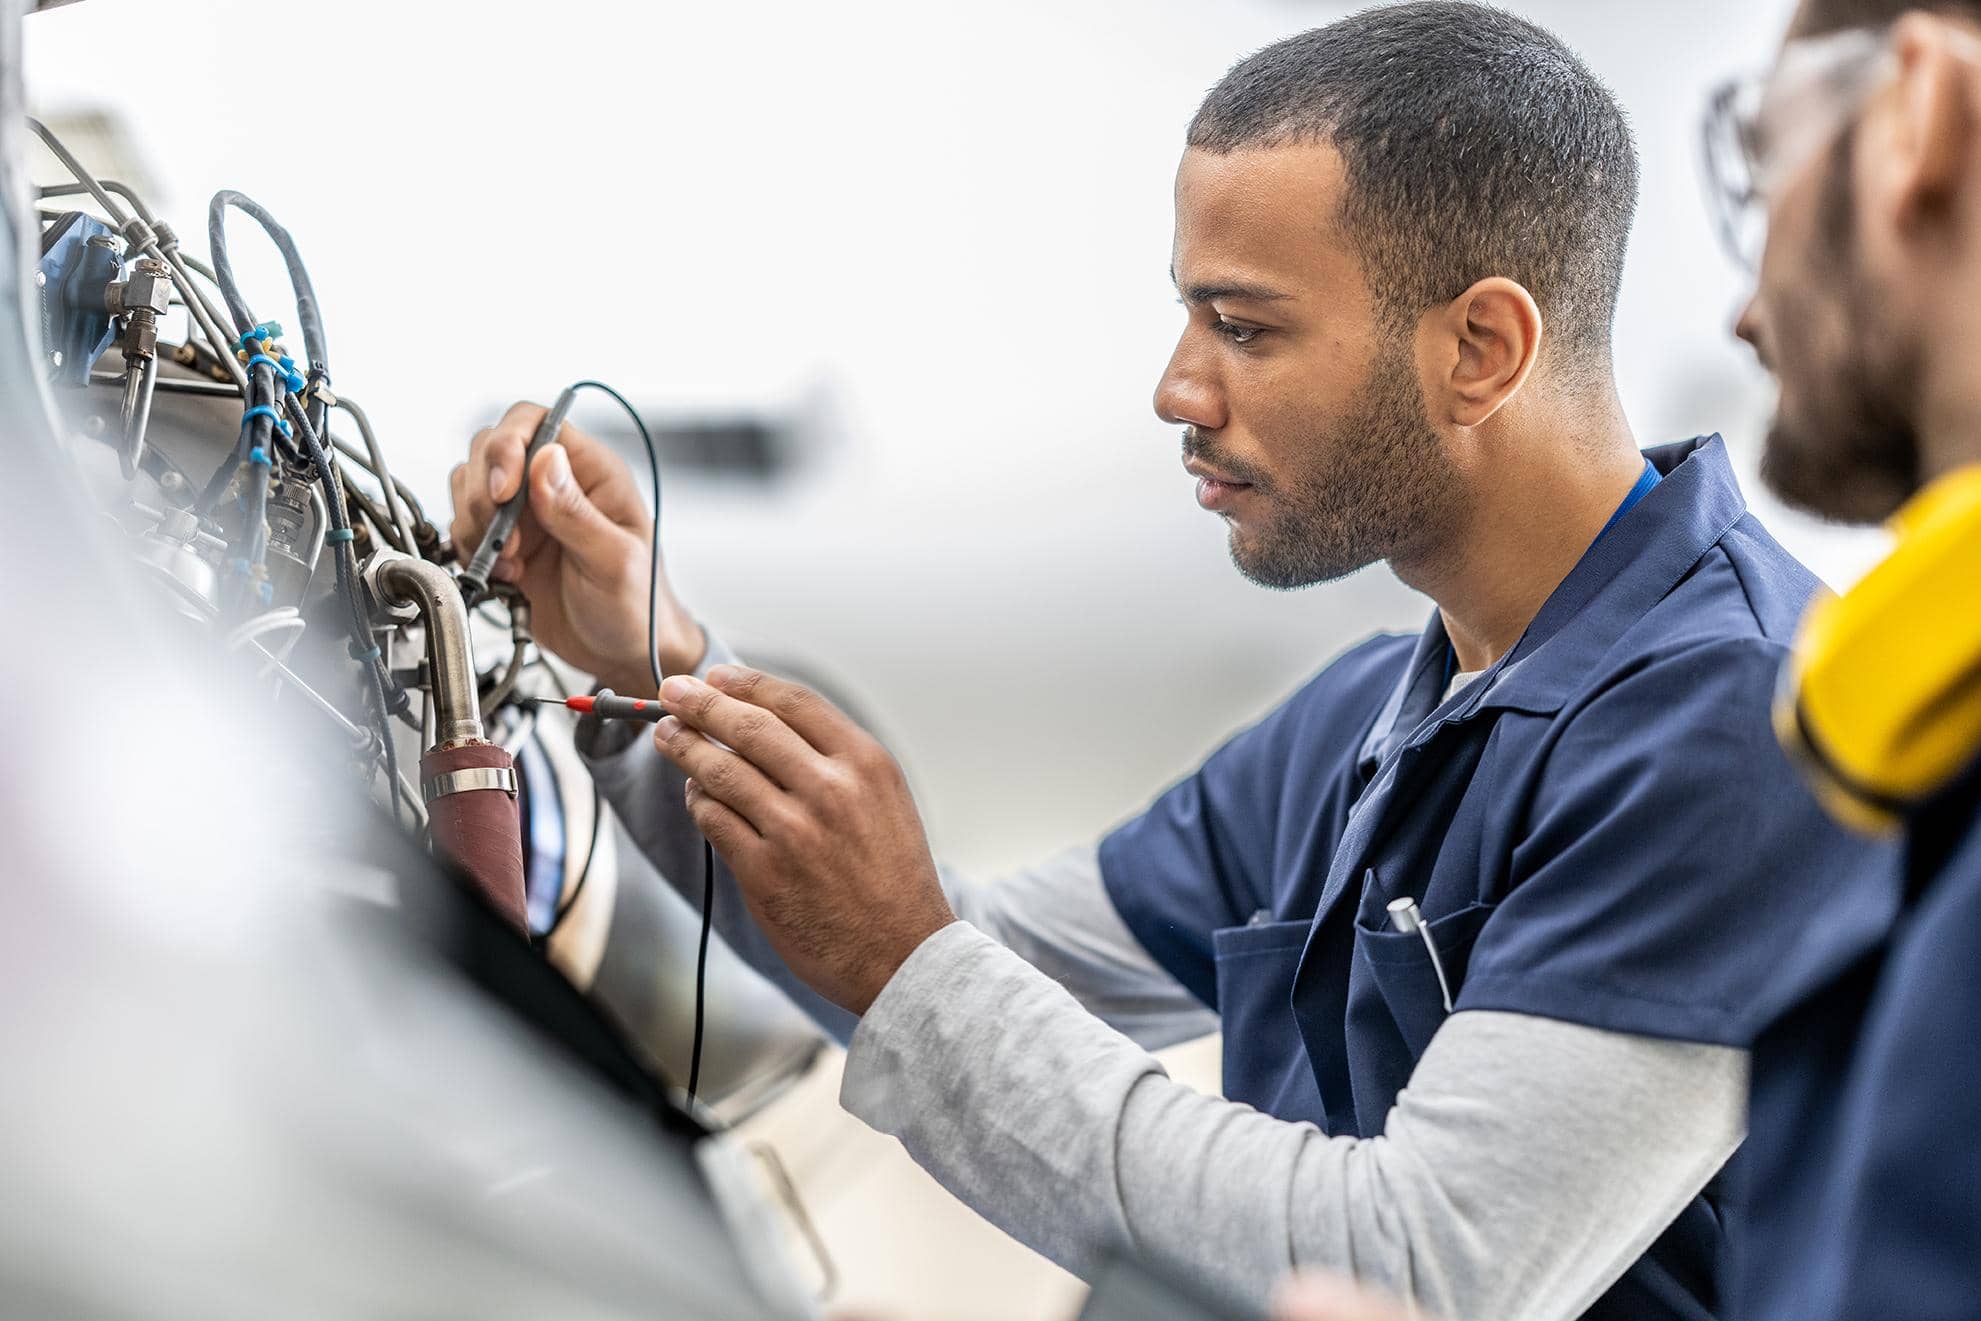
[(1843, 446), (1369, 486)]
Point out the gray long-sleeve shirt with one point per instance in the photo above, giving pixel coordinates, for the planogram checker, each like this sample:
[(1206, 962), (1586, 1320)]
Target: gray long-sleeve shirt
[(1528, 1163)]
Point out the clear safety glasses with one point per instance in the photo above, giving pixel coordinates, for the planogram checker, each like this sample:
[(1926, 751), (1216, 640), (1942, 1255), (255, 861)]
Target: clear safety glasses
[(1761, 129)]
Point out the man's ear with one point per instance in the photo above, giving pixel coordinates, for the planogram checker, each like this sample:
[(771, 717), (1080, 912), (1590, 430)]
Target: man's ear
[(1479, 349), (1928, 124)]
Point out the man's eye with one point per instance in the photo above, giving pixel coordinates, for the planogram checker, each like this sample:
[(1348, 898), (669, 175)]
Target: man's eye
[(1236, 334)]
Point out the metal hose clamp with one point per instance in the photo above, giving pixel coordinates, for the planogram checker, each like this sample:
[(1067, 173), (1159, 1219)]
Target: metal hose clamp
[(469, 779)]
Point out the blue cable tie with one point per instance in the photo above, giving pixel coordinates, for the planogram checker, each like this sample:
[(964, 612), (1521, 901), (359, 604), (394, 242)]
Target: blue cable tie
[(264, 410), (266, 330), (285, 368), (364, 655), (267, 592), (338, 534), (240, 565), (259, 455)]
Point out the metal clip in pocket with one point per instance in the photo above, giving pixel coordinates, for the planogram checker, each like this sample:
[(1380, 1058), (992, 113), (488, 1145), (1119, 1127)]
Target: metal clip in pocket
[(1405, 917)]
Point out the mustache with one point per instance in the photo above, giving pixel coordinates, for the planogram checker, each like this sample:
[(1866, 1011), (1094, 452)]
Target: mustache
[(1196, 445)]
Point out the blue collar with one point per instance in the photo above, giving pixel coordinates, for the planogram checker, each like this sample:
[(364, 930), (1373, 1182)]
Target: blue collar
[(1617, 579)]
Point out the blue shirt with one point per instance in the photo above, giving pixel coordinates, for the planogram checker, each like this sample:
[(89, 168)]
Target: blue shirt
[(1861, 1192), (1601, 829)]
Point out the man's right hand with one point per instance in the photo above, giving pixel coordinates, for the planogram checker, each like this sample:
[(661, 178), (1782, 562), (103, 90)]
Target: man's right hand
[(580, 553)]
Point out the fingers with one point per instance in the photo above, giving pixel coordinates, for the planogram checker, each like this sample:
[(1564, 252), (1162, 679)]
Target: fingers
[(733, 837), (492, 476), (601, 473), (753, 731), (600, 547), (816, 720), (606, 479), (498, 450), (728, 778), (494, 473)]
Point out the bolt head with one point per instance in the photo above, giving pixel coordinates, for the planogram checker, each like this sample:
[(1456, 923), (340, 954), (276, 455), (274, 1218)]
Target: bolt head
[(56, 357), (41, 279)]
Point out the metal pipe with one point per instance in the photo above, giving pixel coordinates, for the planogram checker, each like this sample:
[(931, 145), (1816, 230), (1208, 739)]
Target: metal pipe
[(320, 513), (174, 385), (139, 382), (450, 655), (220, 390), (353, 495), (82, 176), (122, 190), (273, 663), (140, 232), (130, 195), (345, 450), (383, 473), (195, 300), (359, 737)]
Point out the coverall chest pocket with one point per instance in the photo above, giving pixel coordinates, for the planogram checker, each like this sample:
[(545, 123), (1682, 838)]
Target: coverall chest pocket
[(1265, 1061), (1405, 976)]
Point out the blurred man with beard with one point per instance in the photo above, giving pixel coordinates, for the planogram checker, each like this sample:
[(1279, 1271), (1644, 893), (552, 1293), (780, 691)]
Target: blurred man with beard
[(1855, 165)]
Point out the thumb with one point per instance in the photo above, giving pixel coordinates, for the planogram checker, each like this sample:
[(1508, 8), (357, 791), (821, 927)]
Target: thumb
[(568, 516)]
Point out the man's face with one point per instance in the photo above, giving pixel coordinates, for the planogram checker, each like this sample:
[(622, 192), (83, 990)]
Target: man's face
[(1842, 444), (1303, 417)]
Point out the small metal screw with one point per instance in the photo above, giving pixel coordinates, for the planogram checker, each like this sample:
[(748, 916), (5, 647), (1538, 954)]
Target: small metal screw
[(41, 279), (56, 357)]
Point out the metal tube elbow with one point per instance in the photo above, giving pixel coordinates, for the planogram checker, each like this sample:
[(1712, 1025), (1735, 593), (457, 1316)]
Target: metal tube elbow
[(400, 580)]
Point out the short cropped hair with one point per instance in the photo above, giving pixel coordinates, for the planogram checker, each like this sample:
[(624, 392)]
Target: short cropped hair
[(1476, 145)]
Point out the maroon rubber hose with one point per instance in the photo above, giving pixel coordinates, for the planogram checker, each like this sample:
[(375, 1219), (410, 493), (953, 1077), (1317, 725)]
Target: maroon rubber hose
[(479, 830)]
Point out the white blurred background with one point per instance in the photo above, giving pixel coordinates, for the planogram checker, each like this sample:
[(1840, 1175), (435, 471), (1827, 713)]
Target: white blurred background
[(931, 242)]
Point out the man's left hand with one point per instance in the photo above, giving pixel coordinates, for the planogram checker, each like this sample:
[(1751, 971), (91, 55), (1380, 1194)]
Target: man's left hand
[(816, 822)]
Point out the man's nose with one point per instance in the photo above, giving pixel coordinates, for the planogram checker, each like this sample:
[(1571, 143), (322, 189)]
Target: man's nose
[(1187, 395), (1749, 327)]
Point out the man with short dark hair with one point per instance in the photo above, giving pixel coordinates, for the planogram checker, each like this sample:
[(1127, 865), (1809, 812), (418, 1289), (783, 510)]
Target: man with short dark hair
[(1478, 910), (1859, 158)]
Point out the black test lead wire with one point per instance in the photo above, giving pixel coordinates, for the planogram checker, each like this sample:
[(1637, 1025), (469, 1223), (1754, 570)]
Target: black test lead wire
[(653, 662)]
